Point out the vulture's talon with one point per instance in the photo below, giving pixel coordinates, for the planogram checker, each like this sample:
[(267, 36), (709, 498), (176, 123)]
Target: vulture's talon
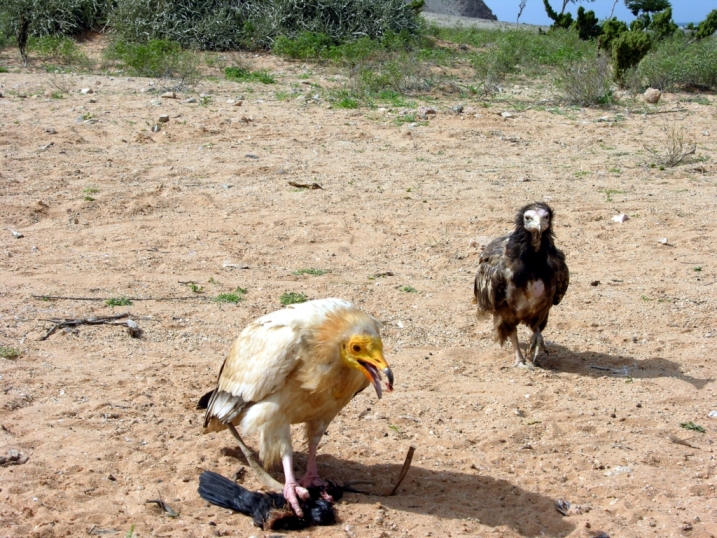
[(312, 481), (293, 492)]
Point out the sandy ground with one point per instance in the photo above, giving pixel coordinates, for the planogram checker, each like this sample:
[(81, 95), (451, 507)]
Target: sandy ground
[(107, 421)]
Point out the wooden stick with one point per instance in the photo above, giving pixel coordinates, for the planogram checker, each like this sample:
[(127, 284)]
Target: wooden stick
[(62, 298), (682, 442), (132, 326), (404, 470)]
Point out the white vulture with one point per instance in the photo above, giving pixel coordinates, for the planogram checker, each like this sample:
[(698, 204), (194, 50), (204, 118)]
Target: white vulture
[(302, 364)]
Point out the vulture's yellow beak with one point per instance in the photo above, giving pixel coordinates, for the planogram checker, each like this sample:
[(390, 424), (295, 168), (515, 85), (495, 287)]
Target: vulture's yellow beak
[(365, 353)]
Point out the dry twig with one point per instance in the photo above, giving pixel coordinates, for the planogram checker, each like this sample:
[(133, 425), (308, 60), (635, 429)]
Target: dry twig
[(312, 186), (682, 442), (132, 326)]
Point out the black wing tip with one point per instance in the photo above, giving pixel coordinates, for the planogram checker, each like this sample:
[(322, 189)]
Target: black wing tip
[(203, 402)]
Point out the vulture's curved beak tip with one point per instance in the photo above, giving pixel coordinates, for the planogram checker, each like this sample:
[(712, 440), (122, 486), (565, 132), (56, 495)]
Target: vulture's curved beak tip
[(389, 376)]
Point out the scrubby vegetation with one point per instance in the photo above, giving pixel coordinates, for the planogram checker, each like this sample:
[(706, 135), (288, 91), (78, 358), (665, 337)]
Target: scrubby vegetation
[(391, 55)]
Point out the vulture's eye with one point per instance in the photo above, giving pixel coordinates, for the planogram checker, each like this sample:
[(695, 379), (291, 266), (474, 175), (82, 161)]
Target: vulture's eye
[(356, 348)]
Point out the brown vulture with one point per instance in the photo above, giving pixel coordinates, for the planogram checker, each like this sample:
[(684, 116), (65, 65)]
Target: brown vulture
[(520, 277)]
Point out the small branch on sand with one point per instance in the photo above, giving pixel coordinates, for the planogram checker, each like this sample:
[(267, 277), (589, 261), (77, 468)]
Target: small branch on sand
[(312, 186), (404, 470), (62, 298), (682, 442), (132, 327)]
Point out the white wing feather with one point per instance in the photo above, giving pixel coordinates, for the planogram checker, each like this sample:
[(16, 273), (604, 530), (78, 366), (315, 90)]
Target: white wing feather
[(268, 349)]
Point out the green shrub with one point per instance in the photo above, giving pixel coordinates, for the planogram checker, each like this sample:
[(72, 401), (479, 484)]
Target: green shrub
[(58, 48), (587, 24), (560, 20), (54, 17), (198, 24), (242, 74), (340, 20), (156, 58), (222, 25), (305, 45), (9, 353), (708, 26), (662, 26), (118, 301), (292, 297), (676, 62), (611, 30), (627, 51), (586, 82)]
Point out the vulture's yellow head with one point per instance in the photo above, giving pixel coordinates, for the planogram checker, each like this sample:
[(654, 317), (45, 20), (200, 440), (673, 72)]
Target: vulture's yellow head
[(364, 352)]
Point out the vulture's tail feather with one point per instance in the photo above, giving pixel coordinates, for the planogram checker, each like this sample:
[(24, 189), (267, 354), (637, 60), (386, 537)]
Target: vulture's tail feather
[(203, 402)]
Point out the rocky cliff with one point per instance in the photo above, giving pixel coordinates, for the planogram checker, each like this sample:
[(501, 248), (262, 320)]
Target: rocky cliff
[(463, 8)]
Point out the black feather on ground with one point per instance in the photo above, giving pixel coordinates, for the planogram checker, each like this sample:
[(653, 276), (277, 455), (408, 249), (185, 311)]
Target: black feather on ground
[(270, 510)]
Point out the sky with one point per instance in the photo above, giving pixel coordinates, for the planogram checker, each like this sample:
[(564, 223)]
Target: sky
[(683, 11)]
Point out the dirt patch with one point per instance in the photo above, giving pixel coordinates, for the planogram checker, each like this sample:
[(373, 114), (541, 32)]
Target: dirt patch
[(108, 421)]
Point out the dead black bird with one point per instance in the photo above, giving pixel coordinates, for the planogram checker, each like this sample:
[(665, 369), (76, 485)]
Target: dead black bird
[(270, 510), (521, 276)]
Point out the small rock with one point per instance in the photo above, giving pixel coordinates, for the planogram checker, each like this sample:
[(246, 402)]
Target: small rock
[(458, 109), (156, 128), (426, 111), (85, 91), (156, 102), (50, 130), (712, 414), (506, 115), (622, 217), (686, 527), (164, 118), (662, 240), (652, 95), (190, 100), (238, 102), (595, 283), (618, 469), (168, 95), (17, 235)]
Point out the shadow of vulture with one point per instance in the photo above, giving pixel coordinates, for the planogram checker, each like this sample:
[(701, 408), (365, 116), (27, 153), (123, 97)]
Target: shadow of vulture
[(596, 364)]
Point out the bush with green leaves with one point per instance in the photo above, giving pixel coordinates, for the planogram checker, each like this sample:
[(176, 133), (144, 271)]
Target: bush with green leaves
[(241, 74), (230, 24), (54, 17), (341, 20), (560, 20), (587, 24), (198, 24), (662, 26), (586, 82), (156, 58), (611, 30), (708, 26), (61, 48), (678, 62), (627, 51)]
